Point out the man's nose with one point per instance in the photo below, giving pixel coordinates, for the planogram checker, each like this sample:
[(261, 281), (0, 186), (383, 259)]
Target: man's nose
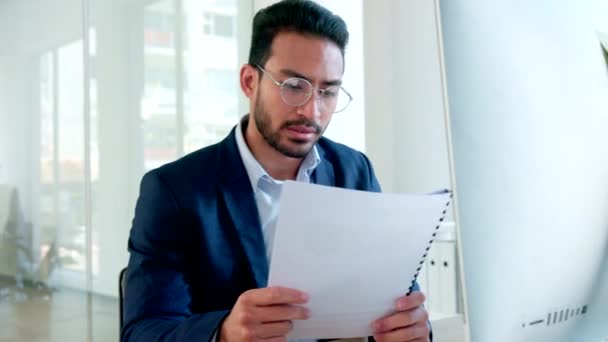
[(312, 107)]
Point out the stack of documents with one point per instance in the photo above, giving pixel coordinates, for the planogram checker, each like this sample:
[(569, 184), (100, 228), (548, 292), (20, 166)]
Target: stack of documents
[(353, 252)]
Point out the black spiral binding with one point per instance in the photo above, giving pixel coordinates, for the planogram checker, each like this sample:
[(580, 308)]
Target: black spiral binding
[(428, 248)]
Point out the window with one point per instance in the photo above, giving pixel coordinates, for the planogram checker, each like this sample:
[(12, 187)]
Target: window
[(220, 82), (159, 24), (221, 25)]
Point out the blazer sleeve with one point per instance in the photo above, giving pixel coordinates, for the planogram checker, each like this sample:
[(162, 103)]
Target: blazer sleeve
[(374, 185), (157, 297)]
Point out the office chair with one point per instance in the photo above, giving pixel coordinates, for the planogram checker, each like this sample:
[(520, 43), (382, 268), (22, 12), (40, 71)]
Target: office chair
[(122, 282)]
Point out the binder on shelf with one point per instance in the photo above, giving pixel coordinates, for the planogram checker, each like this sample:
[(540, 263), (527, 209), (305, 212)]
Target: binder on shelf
[(434, 236)]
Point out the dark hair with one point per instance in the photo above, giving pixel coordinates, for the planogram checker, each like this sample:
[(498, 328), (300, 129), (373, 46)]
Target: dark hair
[(301, 16)]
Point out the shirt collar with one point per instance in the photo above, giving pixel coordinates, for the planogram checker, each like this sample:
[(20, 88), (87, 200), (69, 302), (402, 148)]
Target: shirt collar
[(254, 169)]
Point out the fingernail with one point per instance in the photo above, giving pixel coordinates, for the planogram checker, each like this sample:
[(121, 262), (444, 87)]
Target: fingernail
[(401, 305), (304, 296)]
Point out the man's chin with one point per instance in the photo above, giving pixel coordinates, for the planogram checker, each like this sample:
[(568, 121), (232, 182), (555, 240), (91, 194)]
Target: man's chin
[(296, 149)]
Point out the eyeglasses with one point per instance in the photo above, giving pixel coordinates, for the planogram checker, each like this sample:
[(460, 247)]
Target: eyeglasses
[(296, 91)]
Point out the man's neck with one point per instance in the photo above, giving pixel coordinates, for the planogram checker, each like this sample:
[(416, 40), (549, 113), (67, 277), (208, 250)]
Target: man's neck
[(278, 166)]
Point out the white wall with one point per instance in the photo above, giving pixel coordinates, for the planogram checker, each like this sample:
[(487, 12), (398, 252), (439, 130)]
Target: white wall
[(406, 137), (379, 65)]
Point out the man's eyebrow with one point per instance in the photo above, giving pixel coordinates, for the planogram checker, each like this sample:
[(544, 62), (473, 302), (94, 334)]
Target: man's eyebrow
[(292, 73)]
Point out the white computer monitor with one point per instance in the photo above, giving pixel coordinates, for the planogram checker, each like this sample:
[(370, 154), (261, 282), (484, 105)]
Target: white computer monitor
[(528, 97)]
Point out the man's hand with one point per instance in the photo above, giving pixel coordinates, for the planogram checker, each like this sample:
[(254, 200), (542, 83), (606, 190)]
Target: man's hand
[(264, 314), (409, 323)]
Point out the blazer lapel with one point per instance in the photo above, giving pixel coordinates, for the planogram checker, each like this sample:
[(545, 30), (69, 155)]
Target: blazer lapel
[(240, 202), (324, 172)]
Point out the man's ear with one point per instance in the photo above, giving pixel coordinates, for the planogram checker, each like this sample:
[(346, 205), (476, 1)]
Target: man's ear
[(249, 80)]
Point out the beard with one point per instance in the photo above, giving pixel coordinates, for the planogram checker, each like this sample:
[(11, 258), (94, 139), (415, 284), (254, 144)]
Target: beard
[(293, 148)]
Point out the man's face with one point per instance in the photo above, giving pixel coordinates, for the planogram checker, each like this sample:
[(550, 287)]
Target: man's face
[(294, 130)]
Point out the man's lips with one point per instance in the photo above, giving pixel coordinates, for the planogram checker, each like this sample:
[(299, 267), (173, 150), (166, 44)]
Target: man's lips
[(302, 132), (302, 129)]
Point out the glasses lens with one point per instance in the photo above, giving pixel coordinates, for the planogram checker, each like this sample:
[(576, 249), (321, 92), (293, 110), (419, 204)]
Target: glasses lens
[(296, 91), (335, 99)]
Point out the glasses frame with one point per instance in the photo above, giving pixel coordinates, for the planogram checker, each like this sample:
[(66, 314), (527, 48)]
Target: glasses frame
[(312, 89)]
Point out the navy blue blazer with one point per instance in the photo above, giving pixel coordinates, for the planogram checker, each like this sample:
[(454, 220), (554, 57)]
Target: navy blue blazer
[(196, 242)]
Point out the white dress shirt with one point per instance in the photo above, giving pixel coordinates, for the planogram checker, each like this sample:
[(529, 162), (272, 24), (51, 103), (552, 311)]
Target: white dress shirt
[(266, 189)]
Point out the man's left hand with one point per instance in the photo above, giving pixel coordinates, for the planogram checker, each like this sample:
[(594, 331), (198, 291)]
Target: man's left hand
[(407, 324)]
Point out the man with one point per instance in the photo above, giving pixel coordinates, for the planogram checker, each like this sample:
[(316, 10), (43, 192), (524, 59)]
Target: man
[(204, 224)]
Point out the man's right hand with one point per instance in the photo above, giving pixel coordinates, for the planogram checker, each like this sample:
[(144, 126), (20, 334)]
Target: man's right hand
[(264, 314)]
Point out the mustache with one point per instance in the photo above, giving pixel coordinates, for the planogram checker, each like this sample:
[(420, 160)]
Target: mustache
[(302, 122)]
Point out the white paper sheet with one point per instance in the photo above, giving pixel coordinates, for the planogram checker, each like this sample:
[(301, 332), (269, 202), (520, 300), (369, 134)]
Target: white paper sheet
[(354, 252)]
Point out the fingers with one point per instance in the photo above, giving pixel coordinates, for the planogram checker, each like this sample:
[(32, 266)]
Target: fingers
[(417, 332), (264, 314), (273, 330), (401, 320), (415, 299), (280, 313), (256, 316), (275, 339), (273, 296)]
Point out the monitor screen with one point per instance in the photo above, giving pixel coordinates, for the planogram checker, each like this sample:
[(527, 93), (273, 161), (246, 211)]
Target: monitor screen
[(528, 91)]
